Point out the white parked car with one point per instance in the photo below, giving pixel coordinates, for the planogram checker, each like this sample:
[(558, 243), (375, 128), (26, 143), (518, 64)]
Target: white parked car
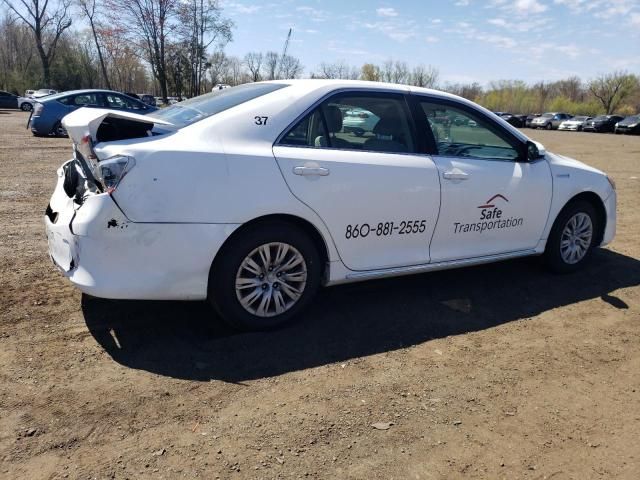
[(575, 124), (43, 92), (252, 197), (26, 104)]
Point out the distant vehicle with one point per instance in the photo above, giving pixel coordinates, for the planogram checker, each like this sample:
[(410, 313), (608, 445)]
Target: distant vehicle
[(28, 93), (629, 125), (530, 119), (517, 121), (8, 100), (220, 86), (43, 92), (574, 124), (132, 95), (550, 120), (359, 121), (148, 99), (48, 112), (26, 104), (602, 123)]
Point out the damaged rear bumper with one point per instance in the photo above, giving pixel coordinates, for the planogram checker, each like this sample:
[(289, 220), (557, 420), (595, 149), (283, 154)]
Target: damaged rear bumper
[(106, 255)]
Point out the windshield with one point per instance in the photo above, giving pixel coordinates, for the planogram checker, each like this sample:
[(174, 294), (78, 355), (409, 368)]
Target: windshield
[(632, 119), (547, 115), (195, 109), (601, 118), (579, 119)]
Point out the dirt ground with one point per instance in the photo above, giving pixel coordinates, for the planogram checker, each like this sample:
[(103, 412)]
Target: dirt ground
[(500, 371)]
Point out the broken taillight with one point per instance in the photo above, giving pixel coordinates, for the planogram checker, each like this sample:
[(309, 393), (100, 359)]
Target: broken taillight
[(111, 171)]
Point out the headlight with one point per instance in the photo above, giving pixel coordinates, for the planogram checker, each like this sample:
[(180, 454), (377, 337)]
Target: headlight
[(633, 125), (611, 182)]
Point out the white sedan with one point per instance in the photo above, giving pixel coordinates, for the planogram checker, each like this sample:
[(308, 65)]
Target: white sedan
[(254, 196)]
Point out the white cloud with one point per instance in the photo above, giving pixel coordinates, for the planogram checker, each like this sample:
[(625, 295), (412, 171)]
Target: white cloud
[(462, 3), (528, 7), (432, 39), (242, 9), (387, 12), (635, 19)]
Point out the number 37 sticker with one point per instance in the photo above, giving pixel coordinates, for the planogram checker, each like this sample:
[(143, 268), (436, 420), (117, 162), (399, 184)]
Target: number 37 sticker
[(258, 120), (385, 229)]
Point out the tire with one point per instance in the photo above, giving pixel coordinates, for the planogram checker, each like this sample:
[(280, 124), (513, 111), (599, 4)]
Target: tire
[(58, 130), (231, 264), (26, 107), (560, 260), (549, 126)]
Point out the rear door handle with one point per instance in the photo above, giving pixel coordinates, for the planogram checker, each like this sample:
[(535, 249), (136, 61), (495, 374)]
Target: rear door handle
[(455, 174), (307, 171)]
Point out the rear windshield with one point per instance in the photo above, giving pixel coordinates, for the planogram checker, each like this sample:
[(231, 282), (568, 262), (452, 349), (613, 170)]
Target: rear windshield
[(195, 109), (601, 118), (546, 115)]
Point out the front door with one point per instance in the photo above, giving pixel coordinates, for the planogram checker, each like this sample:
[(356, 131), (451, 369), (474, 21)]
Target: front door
[(353, 161), (492, 202)]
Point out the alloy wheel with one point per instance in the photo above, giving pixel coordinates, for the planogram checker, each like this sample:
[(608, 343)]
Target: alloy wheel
[(271, 279), (576, 238)]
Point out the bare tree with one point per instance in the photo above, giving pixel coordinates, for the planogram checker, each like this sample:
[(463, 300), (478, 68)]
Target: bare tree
[(612, 89), (290, 67), (253, 61), (424, 76), (400, 72), (338, 69), (88, 8), (219, 66), (47, 22), (387, 71), (150, 22), (271, 61)]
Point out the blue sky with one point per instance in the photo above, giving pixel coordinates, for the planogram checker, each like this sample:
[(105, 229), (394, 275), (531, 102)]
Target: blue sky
[(467, 40)]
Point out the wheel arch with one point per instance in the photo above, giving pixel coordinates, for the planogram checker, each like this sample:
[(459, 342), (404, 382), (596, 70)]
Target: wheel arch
[(305, 225), (597, 203)]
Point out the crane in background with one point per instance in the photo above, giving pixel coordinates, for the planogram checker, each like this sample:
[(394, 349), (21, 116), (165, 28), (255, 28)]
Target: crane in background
[(284, 52)]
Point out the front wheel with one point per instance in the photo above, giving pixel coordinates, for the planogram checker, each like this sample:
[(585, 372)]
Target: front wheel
[(549, 126), (266, 276), (572, 238)]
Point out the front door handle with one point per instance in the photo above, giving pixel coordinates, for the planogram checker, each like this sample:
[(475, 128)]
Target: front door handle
[(307, 171), (455, 174)]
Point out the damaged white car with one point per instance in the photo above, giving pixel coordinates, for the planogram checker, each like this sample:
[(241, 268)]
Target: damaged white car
[(254, 196)]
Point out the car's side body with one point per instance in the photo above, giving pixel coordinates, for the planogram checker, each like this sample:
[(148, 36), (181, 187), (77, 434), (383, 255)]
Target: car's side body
[(195, 189), (8, 100), (574, 124), (602, 123), (630, 125), (48, 111), (550, 120)]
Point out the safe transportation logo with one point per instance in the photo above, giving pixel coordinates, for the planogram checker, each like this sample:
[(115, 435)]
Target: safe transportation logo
[(490, 218)]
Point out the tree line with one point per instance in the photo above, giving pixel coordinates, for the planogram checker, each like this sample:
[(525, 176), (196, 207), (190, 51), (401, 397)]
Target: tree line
[(176, 47)]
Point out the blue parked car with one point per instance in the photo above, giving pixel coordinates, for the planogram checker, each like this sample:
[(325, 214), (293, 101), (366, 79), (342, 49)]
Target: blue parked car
[(48, 111)]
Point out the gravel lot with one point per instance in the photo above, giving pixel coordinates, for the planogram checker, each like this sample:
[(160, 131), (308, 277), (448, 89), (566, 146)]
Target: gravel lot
[(500, 371)]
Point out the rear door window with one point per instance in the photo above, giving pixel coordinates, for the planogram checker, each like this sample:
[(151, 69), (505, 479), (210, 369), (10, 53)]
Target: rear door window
[(376, 122)]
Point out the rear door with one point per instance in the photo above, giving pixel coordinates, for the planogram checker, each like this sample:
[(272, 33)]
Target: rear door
[(377, 196), (492, 203)]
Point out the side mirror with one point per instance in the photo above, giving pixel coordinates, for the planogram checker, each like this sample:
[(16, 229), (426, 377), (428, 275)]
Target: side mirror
[(535, 151)]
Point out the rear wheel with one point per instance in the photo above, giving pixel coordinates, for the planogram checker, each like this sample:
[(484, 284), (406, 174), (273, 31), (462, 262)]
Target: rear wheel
[(26, 107), (265, 276), (572, 238), (549, 126), (58, 130)]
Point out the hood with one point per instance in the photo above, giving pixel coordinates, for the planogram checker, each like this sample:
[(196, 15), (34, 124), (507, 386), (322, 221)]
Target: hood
[(568, 162), (86, 121)]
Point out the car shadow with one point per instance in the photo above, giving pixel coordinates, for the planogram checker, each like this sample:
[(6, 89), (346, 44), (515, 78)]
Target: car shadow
[(186, 340)]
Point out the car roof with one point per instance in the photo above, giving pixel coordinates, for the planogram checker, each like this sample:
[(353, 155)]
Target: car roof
[(77, 92)]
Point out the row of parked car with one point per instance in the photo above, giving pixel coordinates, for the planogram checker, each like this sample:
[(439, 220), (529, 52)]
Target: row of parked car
[(577, 123)]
